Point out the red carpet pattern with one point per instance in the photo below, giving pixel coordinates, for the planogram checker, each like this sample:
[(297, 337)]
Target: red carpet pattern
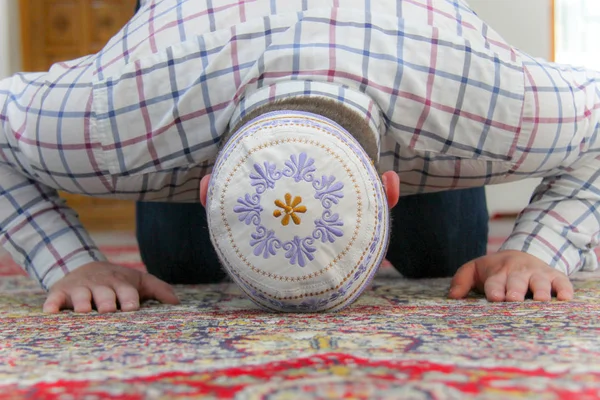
[(402, 339)]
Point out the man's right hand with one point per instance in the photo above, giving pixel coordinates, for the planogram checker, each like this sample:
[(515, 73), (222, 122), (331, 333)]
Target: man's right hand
[(108, 287)]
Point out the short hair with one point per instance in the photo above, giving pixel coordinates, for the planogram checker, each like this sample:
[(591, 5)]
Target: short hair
[(348, 119)]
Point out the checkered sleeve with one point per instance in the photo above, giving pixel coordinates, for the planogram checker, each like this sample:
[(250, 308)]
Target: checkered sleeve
[(561, 117), (42, 234), (560, 225)]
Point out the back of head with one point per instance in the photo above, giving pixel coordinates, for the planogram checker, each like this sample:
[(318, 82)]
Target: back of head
[(297, 212)]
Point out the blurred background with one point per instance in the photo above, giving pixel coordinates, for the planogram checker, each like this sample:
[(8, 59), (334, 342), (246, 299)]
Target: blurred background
[(36, 33)]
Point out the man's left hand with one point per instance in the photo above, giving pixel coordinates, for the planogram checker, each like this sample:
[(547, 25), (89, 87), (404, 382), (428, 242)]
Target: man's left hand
[(508, 275)]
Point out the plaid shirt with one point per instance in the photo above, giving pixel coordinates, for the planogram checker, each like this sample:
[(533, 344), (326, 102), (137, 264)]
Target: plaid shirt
[(454, 104)]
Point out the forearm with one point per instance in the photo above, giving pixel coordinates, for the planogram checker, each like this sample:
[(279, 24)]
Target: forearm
[(559, 140), (43, 235), (561, 225)]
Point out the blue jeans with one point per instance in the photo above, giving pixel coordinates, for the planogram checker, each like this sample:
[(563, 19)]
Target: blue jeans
[(432, 235)]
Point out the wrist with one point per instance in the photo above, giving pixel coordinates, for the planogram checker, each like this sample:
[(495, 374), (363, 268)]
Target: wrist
[(74, 261)]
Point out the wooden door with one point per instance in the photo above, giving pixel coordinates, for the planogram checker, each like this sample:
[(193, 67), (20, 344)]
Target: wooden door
[(60, 30)]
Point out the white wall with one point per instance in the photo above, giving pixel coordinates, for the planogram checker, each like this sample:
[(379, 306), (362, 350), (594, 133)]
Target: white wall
[(10, 44), (526, 24)]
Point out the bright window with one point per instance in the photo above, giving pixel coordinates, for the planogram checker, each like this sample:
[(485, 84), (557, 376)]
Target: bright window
[(577, 32)]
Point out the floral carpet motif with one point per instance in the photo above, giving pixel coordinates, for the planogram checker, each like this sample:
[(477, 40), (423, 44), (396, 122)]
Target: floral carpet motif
[(402, 339)]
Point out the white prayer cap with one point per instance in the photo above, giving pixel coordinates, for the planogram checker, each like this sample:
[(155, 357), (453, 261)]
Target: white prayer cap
[(297, 213)]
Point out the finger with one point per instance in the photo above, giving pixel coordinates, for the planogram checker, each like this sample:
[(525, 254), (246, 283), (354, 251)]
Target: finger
[(517, 284), (540, 287), (105, 299), (154, 288), (81, 298), (55, 301), (128, 296), (463, 281), (495, 287), (563, 288)]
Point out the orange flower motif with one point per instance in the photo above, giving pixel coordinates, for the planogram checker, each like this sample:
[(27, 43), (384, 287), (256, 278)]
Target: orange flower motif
[(290, 208)]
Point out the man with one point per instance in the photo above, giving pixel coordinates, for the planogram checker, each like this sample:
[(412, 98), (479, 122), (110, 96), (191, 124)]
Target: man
[(432, 235), (455, 107)]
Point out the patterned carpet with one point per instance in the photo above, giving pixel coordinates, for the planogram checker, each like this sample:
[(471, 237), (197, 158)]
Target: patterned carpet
[(402, 339)]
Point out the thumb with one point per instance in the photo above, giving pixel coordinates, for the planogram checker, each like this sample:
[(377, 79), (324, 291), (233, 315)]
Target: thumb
[(153, 288), (463, 281)]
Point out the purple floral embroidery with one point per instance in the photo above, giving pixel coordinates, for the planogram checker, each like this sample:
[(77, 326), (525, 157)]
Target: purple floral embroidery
[(308, 305), (265, 177), (328, 191), (249, 209), (359, 272), (327, 227), (298, 250), (265, 242), (366, 265), (300, 168), (374, 244)]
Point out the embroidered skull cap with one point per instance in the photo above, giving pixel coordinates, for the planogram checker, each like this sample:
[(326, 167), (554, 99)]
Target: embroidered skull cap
[(297, 213)]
